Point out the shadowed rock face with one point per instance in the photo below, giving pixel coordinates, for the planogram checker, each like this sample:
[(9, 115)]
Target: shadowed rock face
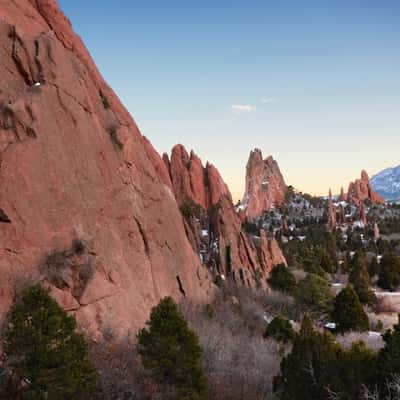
[(361, 190), (225, 248), (265, 186), (73, 165)]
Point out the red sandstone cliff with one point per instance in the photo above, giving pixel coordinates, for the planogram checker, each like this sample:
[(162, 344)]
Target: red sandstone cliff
[(74, 168), (361, 190), (265, 185), (191, 180), (215, 229)]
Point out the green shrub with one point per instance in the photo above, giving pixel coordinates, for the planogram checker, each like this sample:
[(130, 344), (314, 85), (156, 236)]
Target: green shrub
[(280, 329), (219, 281), (104, 100), (282, 279), (45, 351), (115, 139), (171, 351), (314, 292), (190, 209), (348, 312), (311, 265)]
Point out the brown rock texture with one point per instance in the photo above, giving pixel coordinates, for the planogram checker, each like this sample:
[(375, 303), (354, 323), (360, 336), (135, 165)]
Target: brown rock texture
[(214, 229), (265, 185), (74, 166), (361, 190)]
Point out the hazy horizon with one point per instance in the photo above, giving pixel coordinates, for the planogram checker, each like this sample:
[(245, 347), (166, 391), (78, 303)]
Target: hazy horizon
[(315, 85)]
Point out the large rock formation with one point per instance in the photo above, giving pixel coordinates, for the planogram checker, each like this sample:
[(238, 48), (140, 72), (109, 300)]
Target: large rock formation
[(265, 185), (85, 201), (213, 225), (191, 180), (361, 190), (331, 212)]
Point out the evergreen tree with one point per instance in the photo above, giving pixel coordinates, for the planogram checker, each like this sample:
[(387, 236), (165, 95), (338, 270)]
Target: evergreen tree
[(361, 281), (282, 279), (348, 312), (388, 360), (389, 274), (45, 351), (309, 369), (326, 262), (311, 265), (280, 329), (171, 351), (374, 267), (315, 293), (356, 368)]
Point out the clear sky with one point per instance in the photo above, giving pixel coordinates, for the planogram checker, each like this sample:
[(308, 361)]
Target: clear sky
[(314, 83)]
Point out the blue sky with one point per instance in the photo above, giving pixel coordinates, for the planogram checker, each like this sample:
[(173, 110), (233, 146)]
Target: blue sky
[(314, 83)]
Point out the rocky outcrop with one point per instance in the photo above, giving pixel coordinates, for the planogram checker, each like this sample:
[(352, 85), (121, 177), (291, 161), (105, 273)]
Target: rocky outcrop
[(214, 226), (377, 233), (342, 196), (190, 180), (331, 212), (265, 185), (361, 190), (363, 214), (74, 166)]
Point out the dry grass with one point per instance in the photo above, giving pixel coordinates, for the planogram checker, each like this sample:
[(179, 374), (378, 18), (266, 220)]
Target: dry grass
[(239, 363), (372, 341)]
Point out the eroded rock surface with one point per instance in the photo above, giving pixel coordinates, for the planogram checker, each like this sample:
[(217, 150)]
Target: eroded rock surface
[(361, 190), (74, 166), (214, 226), (265, 185)]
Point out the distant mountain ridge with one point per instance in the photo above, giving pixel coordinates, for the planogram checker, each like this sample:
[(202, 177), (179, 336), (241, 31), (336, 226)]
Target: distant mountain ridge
[(387, 183)]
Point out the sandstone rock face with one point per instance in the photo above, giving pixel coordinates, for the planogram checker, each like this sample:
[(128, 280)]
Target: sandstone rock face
[(190, 179), (342, 196), (331, 213), (361, 190), (265, 185), (363, 214), (74, 166), (214, 229), (377, 233)]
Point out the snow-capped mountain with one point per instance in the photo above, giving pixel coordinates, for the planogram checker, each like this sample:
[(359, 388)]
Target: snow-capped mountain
[(387, 183)]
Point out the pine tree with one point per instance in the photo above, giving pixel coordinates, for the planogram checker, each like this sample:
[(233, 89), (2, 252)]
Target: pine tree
[(282, 279), (348, 312), (389, 274), (280, 329), (388, 360), (46, 352), (356, 368), (374, 267), (309, 369), (314, 292), (361, 280), (326, 262), (171, 351)]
